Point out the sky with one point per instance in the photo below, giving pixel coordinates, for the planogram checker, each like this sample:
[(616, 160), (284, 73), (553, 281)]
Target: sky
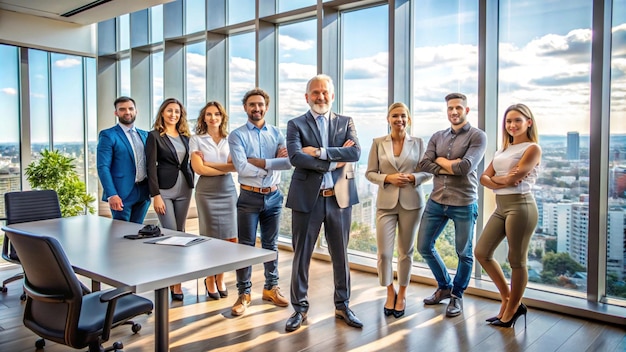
[(544, 62)]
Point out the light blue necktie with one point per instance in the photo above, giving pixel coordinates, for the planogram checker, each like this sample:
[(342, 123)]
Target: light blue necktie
[(140, 155), (327, 182)]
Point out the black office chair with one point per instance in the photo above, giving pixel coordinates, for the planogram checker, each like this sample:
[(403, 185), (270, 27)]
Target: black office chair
[(56, 308), (23, 206)]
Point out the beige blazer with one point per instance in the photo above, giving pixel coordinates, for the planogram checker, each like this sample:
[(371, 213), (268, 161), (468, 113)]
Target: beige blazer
[(381, 163)]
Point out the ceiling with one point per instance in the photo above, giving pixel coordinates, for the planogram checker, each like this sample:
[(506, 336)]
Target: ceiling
[(102, 10)]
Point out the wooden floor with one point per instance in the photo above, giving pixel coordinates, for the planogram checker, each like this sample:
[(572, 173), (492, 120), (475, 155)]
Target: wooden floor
[(202, 324)]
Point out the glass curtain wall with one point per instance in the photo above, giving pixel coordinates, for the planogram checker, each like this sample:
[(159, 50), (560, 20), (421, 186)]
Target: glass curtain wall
[(616, 217), (241, 75), (445, 61), (297, 55), (543, 56), (60, 114), (10, 167), (196, 80), (364, 96), (547, 67)]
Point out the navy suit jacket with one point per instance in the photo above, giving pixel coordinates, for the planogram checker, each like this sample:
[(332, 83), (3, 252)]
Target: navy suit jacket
[(307, 177), (116, 162)]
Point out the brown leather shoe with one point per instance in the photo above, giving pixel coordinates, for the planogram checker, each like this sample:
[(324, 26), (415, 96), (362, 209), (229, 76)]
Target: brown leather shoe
[(438, 296), (275, 296), (242, 303)]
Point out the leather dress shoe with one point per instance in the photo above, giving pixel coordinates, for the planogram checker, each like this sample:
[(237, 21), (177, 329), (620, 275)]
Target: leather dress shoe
[(349, 316), (438, 296), (295, 321), (455, 307)]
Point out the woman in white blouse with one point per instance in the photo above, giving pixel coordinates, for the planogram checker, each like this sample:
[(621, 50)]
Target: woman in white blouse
[(511, 175), (216, 197)]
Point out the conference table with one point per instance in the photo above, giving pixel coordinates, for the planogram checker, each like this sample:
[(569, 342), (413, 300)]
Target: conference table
[(97, 249)]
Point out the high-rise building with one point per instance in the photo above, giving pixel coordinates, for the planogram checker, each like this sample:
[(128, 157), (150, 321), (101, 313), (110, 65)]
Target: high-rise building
[(573, 145)]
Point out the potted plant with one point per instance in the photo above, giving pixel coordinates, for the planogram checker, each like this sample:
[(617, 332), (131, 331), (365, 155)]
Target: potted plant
[(57, 172)]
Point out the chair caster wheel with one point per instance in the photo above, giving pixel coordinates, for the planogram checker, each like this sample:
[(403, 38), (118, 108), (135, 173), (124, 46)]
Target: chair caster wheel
[(117, 345), (40, 343), (23, 297), (4, 290), (136, 328)]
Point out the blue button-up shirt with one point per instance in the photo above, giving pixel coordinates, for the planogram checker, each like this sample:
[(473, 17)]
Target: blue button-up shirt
[(248, 141)]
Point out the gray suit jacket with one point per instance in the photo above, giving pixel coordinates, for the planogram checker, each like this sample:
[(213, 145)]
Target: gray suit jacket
[(307, 177), (381, 163)]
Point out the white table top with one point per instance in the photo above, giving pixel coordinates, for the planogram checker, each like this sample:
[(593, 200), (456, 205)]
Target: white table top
[(96, 249)]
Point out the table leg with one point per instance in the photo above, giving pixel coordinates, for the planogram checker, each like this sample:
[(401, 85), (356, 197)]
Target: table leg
[(95, 286), (161, 320)]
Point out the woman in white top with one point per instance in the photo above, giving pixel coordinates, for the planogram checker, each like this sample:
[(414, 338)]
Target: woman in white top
[(510, 175), (216, 197)]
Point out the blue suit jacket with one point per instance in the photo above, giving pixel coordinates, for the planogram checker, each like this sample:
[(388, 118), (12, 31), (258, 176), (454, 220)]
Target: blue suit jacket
[(308, 174), (116, 162)]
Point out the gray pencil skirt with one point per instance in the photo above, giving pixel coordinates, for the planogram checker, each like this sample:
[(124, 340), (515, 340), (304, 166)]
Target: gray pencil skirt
[(216, 201)]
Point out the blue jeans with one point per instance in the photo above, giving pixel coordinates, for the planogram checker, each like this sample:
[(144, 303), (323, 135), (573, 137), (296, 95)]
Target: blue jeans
[(254, 209), (434, 220)]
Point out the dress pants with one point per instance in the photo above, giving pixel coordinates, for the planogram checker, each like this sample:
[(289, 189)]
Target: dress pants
[(136, 204), (305, 229)]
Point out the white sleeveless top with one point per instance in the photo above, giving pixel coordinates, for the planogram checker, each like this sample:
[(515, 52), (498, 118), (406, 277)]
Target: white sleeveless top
[(505, 160)]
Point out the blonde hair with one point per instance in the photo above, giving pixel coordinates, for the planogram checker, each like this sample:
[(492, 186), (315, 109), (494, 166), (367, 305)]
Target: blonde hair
[(201, 125), (531, 132), (181, 126), (399, 105)]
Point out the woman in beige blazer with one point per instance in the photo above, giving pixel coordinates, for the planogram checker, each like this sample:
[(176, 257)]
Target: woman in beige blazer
[(393, 166)]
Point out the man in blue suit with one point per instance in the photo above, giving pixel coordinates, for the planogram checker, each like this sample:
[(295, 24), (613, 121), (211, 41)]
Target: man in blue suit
[(122, 165), (322, 147)]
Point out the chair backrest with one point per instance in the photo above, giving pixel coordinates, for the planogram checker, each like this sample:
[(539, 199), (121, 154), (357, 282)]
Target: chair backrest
[(54, 294), (23, 206)]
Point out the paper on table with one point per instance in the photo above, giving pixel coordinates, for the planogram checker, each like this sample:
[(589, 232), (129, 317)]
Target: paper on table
[(178, 240)]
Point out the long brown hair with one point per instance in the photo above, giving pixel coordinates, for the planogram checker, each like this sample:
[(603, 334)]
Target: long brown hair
[(201, 125), (531, 132), (181, 126)]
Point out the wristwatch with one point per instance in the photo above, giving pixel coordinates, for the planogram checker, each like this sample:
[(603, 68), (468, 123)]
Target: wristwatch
[(318, 152)]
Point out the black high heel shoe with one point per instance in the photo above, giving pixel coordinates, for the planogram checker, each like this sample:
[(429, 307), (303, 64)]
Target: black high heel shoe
[(399, 313), (390, 311), (222, 293), (521, 310), (214, 295), (492, 319), (177, 296)]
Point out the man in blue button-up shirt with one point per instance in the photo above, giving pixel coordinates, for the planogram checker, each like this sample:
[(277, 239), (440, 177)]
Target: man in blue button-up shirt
[(258, 152)]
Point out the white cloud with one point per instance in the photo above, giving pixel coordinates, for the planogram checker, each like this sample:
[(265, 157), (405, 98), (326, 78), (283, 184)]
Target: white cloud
[(9, 91), (367, 67), (67, 63), (290, 43)]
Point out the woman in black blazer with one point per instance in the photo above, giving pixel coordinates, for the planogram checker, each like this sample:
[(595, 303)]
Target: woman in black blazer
[(170, 178)]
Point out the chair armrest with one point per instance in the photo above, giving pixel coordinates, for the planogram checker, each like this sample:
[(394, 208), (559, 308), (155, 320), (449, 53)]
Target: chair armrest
[(115, 294), (111, 297), (43, 297)]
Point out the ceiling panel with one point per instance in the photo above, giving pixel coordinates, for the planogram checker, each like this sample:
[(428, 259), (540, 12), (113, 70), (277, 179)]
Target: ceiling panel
[(54, 9)]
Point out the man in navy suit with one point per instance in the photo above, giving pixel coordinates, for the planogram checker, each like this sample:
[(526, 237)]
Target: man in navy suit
[(321, 146), (122, 165)]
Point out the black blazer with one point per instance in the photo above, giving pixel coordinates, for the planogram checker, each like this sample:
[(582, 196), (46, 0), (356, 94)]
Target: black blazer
[(163, 162)]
